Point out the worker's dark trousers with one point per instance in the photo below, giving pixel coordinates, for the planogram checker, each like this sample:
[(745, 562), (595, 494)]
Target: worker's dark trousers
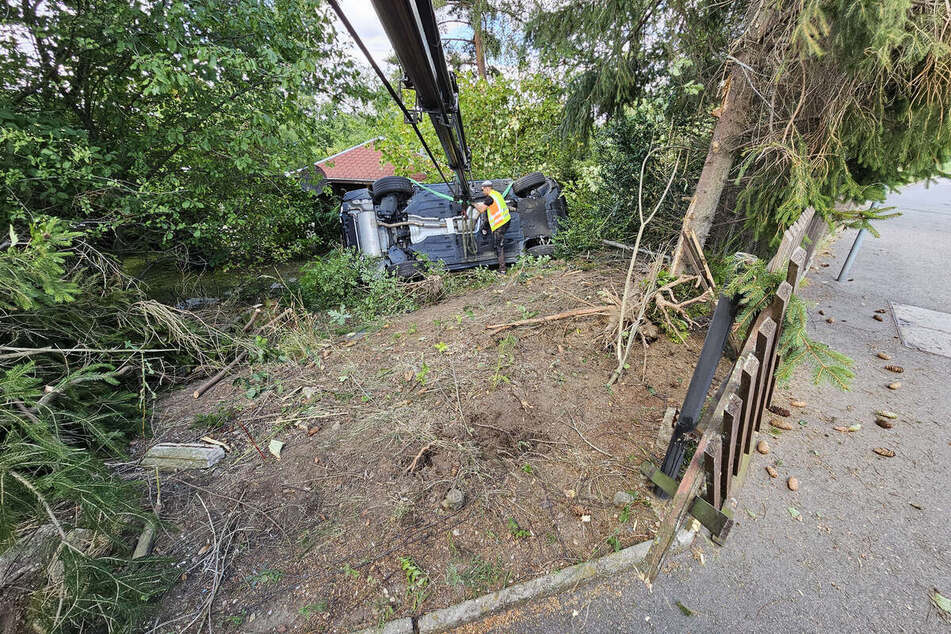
[(498, 237)]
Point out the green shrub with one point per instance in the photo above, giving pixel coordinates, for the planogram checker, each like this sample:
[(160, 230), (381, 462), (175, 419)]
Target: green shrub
[(345, 282), (335, 279)]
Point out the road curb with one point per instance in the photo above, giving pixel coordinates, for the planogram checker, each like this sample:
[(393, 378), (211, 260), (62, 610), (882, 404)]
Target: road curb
[(565, 579)]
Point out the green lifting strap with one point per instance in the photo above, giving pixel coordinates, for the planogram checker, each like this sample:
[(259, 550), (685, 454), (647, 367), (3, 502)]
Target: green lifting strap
[(432, 191), (508, 189)]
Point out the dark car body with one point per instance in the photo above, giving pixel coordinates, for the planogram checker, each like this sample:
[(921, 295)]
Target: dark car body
[(400, 221)]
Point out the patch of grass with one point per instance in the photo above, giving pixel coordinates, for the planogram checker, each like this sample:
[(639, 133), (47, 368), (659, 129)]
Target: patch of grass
[(265, 577), (477, 575), (215, 419), (505, 358), (314, 608)]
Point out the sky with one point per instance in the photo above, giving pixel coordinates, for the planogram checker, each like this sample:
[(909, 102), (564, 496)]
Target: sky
[(368, 27)]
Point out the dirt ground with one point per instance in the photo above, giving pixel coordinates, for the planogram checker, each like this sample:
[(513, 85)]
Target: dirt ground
[(347, 529)]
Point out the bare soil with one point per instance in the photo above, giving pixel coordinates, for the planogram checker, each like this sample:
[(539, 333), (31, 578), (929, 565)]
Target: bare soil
[(346, 529)]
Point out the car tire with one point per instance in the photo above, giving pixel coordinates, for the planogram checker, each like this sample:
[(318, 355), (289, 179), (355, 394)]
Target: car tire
[(391, 185), (540, 250), (406, 270), (528, 182)]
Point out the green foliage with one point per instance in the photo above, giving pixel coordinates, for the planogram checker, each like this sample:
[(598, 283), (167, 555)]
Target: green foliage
[(32, 274), (170, 124), (511, 127), (344, 279), (477, 575), (644, 49), (885, 125), (516, 531), (417, 581), (603, 203), (63, 414), (749, 278)]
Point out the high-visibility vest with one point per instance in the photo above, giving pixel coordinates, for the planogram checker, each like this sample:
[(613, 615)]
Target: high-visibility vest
[(498, 211)]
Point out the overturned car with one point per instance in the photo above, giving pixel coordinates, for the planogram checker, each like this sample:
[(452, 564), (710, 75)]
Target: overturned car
[(399, 221)]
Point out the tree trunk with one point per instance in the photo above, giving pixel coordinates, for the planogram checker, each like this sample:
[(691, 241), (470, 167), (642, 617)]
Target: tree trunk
[(479, 49), (727, 137)]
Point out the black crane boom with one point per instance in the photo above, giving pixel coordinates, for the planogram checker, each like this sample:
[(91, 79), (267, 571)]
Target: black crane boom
[(411, 27)]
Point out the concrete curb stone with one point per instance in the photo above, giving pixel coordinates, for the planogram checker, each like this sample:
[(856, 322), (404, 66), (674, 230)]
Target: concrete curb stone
[(467, 611)]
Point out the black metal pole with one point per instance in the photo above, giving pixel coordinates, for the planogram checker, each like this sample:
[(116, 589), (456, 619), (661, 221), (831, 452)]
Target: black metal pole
[(700, 383)]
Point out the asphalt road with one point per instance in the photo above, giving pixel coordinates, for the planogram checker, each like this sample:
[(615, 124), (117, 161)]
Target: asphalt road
[(874, 536)]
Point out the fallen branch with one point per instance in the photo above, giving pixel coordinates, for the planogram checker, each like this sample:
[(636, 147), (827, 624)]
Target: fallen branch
[(210, 383), (412, 465), (578, 312), (627, 247)]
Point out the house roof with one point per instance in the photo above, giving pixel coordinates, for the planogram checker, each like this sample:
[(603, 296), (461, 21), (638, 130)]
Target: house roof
[(360, 164)]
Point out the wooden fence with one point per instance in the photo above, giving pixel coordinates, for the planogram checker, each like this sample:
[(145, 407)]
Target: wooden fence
[(727, 432)]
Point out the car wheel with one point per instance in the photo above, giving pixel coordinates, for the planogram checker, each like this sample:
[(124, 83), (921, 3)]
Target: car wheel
[(528, 182), (391, 185), (540, 250)]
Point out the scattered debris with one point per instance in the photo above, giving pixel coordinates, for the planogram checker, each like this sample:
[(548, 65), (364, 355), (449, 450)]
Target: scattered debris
[(886, 414), (884, 356), (586, 518), (882, 451), (275, 447), (779, 411), (880, 310), (172, 456), (143, 546), (313, 430), (799, 404), (895, 385), (895, 368), (688, 612), (884, 423), (211, 440), (793, 484), (455, 499), (762, 447), (943, 604), (830, 320), (772, 472), (779, 423), (851, 428), (570, 494), (916, 506), (878, 317), (795, 514), (622, 499)]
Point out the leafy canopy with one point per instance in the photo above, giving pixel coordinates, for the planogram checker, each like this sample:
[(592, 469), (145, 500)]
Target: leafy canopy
[(167, 123)]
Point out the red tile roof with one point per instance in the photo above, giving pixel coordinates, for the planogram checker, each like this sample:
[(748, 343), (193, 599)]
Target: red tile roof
[(359, 164)]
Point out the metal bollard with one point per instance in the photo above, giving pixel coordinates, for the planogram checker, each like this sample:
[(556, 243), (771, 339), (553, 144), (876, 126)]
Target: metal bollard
[(851, 257)]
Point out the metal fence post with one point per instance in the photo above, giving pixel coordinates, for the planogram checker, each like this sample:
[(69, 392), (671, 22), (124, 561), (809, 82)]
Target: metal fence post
[(700, 383), (851, 257)]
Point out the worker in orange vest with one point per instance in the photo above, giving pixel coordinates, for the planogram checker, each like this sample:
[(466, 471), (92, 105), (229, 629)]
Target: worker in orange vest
[(498, 216)]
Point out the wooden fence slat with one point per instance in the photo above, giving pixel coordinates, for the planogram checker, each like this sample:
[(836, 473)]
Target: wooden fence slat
[(772, 381), (732, 414), (778, 310), (679, 505), (814, 233), (748, 377), (792, 238), (764, 349), (713, 461), (797, 267)]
